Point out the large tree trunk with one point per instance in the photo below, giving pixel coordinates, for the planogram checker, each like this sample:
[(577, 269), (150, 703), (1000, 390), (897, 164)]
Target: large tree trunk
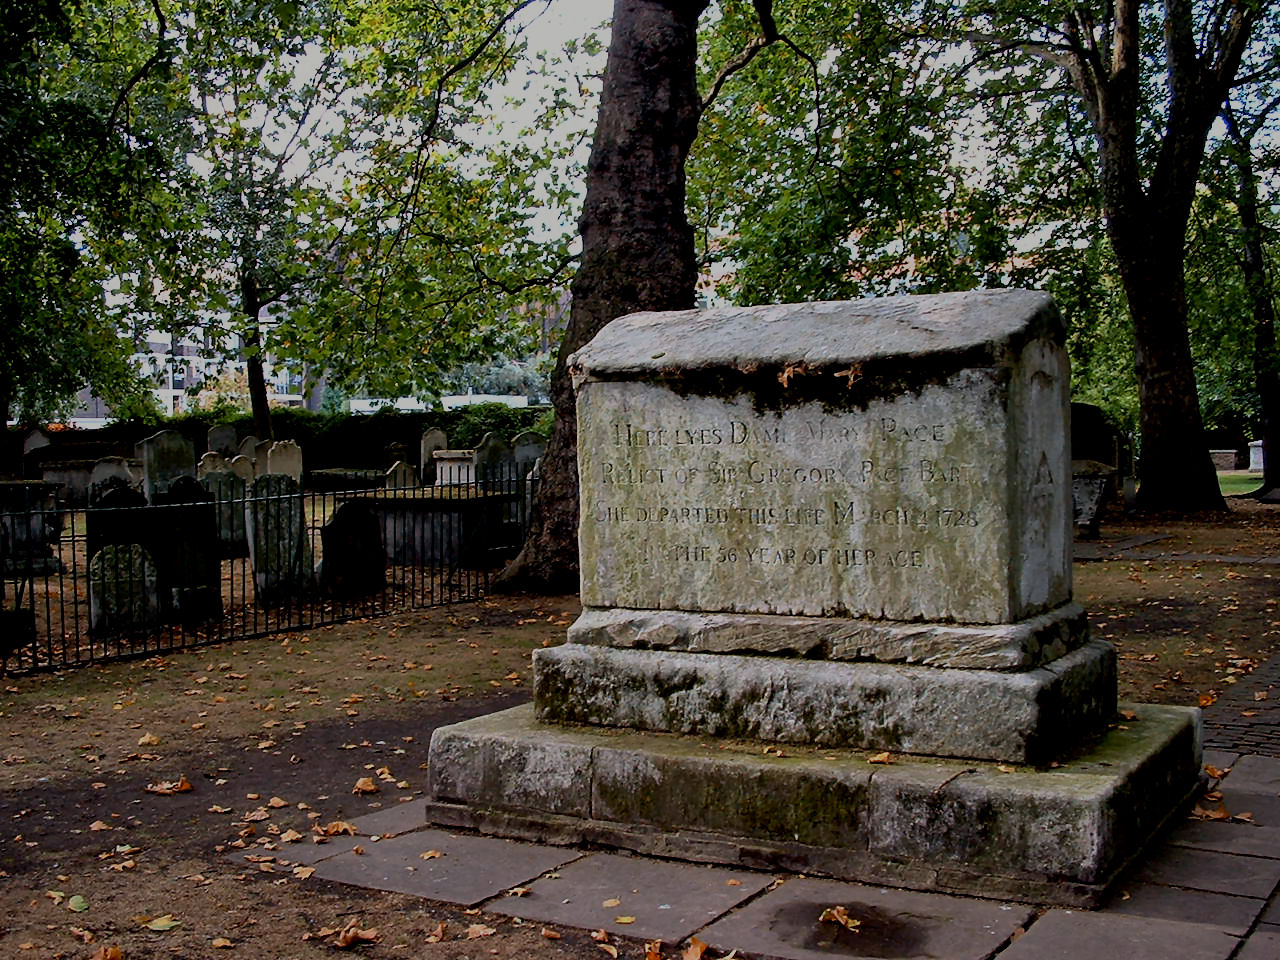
[(251, 306), (1266, 365), (1175, 470), (637, 244)]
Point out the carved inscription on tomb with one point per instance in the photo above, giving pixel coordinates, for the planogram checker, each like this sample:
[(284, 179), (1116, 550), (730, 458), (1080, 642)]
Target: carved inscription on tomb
[(897, 511)]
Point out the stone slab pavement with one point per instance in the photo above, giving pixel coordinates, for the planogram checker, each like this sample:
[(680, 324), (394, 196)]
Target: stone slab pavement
[(1207, 891)]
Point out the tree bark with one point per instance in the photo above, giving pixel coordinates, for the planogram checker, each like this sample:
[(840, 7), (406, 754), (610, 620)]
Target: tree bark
[(1266, 365), (251, 306), (637, 244)]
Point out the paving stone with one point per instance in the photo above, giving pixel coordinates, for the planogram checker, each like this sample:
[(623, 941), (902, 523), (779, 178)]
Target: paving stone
[(1263, 945), (1212, 871), (668, 900), (394, 820), (893, 923), (1272, 913), (1221, 759), (1263, 807), (1233, 915), (1255, 774), (1071, 935), (471, 870), (1243, 838)]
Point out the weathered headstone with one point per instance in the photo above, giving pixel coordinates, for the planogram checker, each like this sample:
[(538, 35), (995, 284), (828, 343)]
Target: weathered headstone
[(242, 467), (354, 560), (261, 457), (1090, 481), (401, 476), (432, 440), (109, 473), (30, 529), (228, 491), (285, 457), (165, 456), (1255, 457), (211, 462), (527, 448), (222, 439), (277, 533), (844, 526), (34, 440), (183, 541), (495, 460), (248, 447), (116, 517), (123, 594), (454, 466)]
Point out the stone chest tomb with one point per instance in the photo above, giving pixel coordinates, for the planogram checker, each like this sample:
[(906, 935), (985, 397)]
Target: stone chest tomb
[(844, 527)]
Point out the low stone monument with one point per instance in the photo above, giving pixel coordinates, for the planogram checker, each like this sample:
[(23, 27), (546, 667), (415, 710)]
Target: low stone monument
[(454, 467), (401, 476), (843, 529)]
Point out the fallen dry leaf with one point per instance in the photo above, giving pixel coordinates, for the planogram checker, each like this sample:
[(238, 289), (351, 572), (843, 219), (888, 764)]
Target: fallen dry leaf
[(167, 787), (840, 915), (430, 855), (550, 934), (302, 873), (1214, 772), (276, 803), (624, 920), (478, 930), (351, 934), (148, 740), (105, 952), (222, 943), (365, 785), (611, 902), (100, 825), (600, 936), (436, 935), (84, 936), (694, 950), (885, 757), (610, 949), (653, 950), (519, 891)]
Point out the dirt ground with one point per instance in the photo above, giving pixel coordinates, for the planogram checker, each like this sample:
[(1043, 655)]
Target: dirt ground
[(273, 735)]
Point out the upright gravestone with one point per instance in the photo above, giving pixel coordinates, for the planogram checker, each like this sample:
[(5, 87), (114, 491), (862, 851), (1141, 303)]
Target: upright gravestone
[(285, 457), (277, 533), (109, 473), (432, 440), (401, 477), (222, 440), (248, 447), (495, 460), (242, 467), (123, 595), (454, 467), (165, 456), (228, 491), (843, 526), (211, 462), (527, 448), (261, 457), (354, 561), (184, 543)]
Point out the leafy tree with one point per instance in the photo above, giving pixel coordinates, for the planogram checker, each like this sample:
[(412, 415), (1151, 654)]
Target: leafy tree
[(74, 163), (1151, 105)]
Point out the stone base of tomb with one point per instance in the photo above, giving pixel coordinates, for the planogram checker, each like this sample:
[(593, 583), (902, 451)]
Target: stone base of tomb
[(1029, 716), (1054, 835), (1002, 646)]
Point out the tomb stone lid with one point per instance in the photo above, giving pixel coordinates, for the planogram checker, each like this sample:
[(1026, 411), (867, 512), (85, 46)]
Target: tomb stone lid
[(976, 326)]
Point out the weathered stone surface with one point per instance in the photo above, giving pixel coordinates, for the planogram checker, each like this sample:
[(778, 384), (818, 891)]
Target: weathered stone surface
[(1026, 717), (242, 467), (248, 447), (184, 543), (211, 462), (1059, 835), (354, 562), (666, 901), (165, 456), (221, 439), (277, 533), (285, 457), (998, 647), (123, 595), (401, 476), (1063, 935), (942, 499), (494, 459), (431, 441), (229, 490), (111, 468), (906, 926), (454, 466), (527, 447)]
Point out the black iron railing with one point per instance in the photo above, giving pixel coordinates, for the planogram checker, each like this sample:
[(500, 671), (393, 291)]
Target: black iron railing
[(217, 560)]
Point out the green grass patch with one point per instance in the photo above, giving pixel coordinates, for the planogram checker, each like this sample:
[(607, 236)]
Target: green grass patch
[(1237, 481)]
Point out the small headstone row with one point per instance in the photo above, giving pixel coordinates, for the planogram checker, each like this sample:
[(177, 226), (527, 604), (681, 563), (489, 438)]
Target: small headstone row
[(490, 459)]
